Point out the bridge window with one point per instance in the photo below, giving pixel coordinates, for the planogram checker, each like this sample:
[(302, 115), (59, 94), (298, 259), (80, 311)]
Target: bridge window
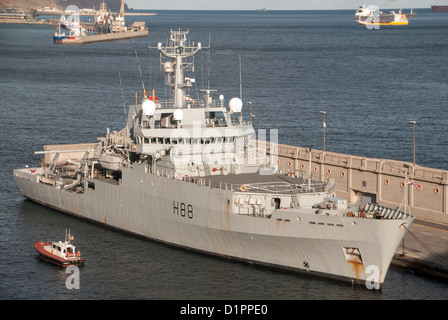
[(215, 118), (276, 203)]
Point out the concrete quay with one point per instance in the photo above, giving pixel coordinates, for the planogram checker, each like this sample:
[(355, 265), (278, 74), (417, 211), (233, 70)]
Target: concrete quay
[(425, 248), (106, 37), (362, 179)]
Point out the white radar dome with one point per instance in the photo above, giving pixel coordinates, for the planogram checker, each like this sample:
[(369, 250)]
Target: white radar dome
[(168, 66), (235, 105), (178, 115), (148, 107)]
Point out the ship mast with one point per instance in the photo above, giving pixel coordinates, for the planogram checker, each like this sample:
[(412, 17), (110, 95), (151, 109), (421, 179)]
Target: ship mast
[(176, 58)]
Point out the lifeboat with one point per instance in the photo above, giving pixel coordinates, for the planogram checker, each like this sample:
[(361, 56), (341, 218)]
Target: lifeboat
[(62, 254), (110, 161)]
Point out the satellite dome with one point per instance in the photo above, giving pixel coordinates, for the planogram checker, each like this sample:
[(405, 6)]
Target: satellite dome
[(168, 66), (178, 115), (148, 107), (235, 105)]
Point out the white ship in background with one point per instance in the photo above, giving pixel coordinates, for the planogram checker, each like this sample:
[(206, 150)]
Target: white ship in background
[(364, 12), (186, 171)]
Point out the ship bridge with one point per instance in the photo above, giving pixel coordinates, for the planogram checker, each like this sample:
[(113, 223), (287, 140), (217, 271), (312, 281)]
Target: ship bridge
[(189, 134)]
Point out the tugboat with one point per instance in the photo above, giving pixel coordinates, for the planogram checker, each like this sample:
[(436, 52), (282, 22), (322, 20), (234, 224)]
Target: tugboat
[(76, 31), (59, 36), (62, 254)]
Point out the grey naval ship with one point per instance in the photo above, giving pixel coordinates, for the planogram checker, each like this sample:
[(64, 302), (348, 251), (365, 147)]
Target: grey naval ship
[(191, 173)]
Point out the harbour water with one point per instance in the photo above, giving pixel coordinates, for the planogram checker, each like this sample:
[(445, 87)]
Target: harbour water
[(371, 83)]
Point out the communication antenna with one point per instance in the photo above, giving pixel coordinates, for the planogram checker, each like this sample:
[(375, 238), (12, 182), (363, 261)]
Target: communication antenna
[(208, 62), (138, 65), (241, 82), (150, 67), (122, 96), (208, 68)]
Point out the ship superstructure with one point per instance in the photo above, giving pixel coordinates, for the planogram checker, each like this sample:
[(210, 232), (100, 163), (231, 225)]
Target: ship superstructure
[(364, 12), (398, 19), (188, 172), (190, 137)]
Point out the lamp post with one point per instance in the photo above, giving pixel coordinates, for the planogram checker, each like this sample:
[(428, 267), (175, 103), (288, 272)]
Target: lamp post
[(324, 125), (413, 129), (250, 112)]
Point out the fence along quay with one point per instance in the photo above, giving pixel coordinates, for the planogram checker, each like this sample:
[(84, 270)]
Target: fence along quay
[(376, 180)]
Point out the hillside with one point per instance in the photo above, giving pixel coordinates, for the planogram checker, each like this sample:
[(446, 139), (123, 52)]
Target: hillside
[(61, 4)]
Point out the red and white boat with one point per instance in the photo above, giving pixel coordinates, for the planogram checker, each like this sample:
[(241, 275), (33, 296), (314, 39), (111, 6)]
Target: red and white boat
[(62, 254)]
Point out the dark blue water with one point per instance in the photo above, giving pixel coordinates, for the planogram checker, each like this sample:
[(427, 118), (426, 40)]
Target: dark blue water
[(371, 83)]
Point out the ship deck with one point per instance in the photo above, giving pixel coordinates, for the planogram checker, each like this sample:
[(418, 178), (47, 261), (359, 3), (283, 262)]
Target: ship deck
[(263, 183)]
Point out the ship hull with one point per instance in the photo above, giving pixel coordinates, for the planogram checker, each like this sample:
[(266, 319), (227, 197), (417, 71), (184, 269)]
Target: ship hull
[(200, 218), (393, 23), (439, 8)]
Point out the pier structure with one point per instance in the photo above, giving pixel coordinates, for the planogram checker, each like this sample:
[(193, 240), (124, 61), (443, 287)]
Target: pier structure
[(362, 179), (93, 13), (106, 37)]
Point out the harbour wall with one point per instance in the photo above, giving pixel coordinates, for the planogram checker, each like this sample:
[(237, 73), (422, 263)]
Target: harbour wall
[(106, 37), (367, 179)]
